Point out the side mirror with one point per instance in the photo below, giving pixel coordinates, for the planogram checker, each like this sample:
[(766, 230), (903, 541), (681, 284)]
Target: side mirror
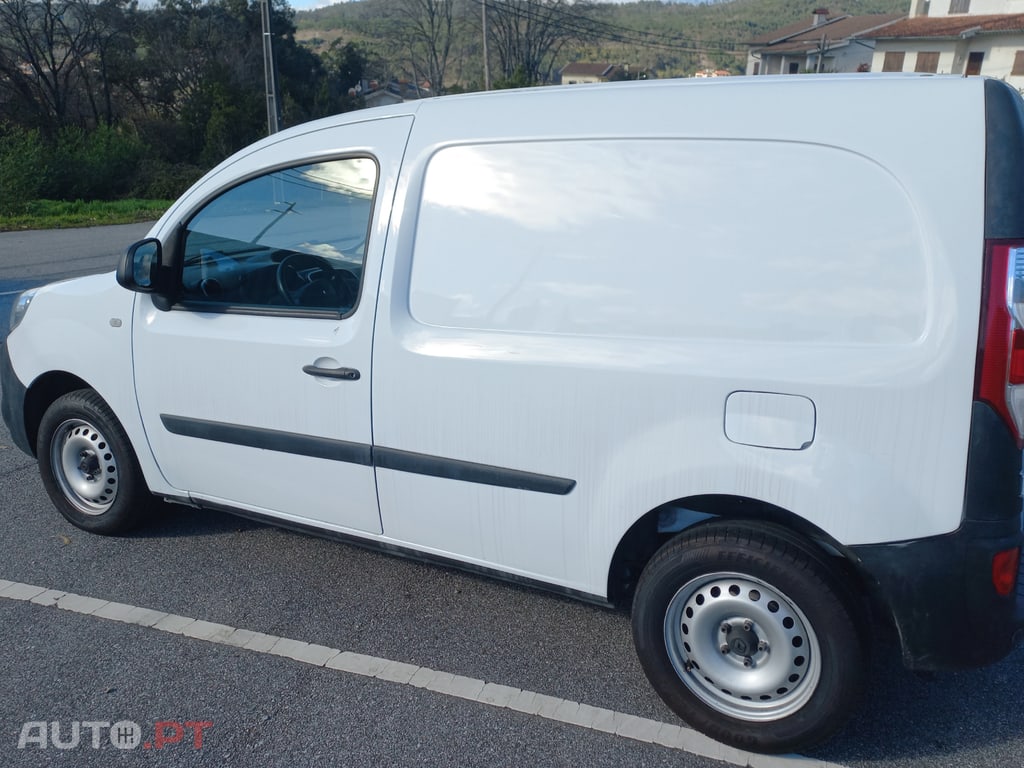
[(142, 270)]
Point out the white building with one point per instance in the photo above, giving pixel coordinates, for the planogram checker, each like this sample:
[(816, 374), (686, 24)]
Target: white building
[(824, 43), (960, 37)]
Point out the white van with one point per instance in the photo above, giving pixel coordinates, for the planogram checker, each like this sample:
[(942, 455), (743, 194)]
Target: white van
[(747, 356)]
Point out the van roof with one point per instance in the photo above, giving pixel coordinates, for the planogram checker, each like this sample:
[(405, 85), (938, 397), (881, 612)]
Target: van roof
[(661, 87)]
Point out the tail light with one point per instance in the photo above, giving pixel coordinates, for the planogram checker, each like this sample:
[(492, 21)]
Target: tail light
[(1004, 570), (1000, 372)]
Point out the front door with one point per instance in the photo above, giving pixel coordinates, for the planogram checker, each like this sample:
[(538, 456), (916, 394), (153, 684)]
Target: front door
[(254, 388)]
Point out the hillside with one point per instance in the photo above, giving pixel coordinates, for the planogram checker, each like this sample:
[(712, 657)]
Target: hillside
[(657, 38)]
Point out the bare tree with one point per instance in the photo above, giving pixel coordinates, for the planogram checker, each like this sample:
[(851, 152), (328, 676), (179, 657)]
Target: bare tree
[(61, 60), (428, 29), (44, 48), (527, 35)]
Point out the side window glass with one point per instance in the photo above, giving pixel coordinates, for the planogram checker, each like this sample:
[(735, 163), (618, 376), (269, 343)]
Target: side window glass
[(292, 239)]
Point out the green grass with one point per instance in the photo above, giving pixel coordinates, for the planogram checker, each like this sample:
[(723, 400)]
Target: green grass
[(59, 214)]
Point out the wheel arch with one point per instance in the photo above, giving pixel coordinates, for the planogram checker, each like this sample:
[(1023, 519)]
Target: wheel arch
[(41, 394), (655, 528)]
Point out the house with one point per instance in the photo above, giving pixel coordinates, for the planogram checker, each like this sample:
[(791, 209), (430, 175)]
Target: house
[(825, 43), (959, 37), (581, 72), (394, 92)]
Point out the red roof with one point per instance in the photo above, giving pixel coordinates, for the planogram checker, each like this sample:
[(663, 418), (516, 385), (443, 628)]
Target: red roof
[(950, 26), (796, 28), (838, 28)]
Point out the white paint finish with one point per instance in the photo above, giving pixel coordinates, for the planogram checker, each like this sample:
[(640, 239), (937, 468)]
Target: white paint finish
[(480, 524), (596, 238), (632, 414), (247, 370), (769, 420), (441, 683), (67, 328), (637, 418)]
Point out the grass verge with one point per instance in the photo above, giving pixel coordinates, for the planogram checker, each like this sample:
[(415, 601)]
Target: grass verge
[(61, 214)]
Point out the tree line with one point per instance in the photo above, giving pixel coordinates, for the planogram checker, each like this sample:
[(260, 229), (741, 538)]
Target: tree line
[(102, 99)]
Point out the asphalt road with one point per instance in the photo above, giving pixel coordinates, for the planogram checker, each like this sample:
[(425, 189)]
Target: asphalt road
[(266, 710), (35, 257)]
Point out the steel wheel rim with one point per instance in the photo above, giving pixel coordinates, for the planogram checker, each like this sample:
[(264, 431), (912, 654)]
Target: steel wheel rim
[(742, 647), (84, 466)]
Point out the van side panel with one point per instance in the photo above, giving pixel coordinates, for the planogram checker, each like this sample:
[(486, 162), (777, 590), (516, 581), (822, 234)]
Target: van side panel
[(580, 298), (647, 238), (939, 590)]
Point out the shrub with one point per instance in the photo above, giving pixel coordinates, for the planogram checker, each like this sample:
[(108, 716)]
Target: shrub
[(94, 165), (23, 166), (160, 180)]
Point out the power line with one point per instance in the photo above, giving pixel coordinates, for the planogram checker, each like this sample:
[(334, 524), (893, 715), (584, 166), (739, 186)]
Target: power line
[(586, 26)]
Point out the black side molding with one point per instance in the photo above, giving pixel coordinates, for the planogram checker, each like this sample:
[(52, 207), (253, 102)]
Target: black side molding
[(366, 455), (484, 474), (269, 439)]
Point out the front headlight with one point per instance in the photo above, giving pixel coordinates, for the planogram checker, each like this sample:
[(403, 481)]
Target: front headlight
[(20, 307)]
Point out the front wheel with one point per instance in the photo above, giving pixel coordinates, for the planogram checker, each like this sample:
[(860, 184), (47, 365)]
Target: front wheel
[(750, 636), (88, 466)]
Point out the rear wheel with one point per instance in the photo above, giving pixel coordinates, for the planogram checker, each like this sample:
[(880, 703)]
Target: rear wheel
[(88, 466), (750, 636)]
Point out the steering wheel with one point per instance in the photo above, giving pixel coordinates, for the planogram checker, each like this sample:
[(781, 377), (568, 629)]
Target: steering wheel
[(308, 280)]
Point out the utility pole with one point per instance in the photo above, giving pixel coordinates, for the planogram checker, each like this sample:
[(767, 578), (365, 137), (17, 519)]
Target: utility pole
[(822, 47), (487, 61), (269, 71)]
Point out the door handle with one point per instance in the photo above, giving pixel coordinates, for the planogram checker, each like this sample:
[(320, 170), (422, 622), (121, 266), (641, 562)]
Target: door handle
[(345, 374)]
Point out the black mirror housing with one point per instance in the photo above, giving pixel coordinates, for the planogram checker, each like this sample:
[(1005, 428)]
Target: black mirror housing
[(142, 270)]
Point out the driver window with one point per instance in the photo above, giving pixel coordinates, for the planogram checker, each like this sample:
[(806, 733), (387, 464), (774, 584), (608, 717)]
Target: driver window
[(292, 239)]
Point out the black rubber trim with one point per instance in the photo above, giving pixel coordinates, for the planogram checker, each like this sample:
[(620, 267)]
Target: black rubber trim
[(483, 474), (938, 592), (1004, 161), (196, 305), (360, 453), (13, 402), (993, 469), (270, 439), (407, 553)]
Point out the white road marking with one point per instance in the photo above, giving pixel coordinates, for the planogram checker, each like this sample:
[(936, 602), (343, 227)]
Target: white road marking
[(444, 683)]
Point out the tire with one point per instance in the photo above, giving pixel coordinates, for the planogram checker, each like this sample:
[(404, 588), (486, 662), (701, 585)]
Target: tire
[(750, 636), (88, 466)]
